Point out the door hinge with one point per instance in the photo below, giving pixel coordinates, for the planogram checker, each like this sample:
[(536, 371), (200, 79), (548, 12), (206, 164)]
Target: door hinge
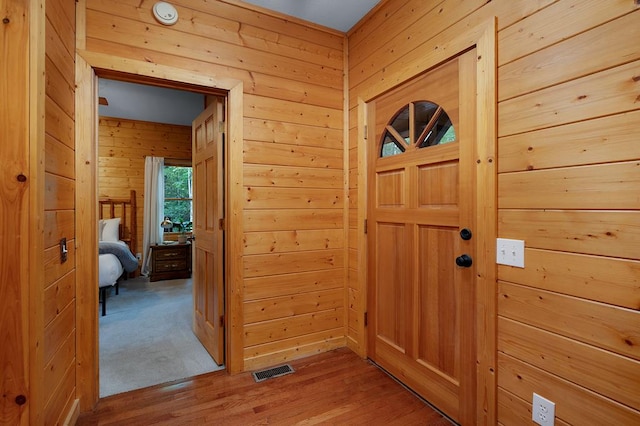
[(366, 132), (366, 224), (221, 224), (221, 320), (366, 319), (221, 126)]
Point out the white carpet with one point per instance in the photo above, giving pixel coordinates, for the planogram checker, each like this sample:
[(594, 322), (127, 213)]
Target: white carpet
[(146, 337)]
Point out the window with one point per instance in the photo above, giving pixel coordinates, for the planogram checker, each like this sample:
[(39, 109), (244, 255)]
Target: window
[(430, 123), (178, 193)]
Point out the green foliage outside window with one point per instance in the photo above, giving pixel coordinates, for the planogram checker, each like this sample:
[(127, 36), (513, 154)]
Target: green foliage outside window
[(178, 197)]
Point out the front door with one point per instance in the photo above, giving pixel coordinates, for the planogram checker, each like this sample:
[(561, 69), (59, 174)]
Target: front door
[(208, 229), (421, 215)]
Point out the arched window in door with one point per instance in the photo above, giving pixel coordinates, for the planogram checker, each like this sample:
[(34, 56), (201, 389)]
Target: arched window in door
[(417, 125)]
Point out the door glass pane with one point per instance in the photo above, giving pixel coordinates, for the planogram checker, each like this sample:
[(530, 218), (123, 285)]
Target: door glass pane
[(390, 146), (401, 123), (430, 123)]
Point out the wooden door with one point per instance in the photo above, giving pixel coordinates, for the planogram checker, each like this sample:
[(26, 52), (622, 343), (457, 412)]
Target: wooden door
[(421, 181), (208, 229)]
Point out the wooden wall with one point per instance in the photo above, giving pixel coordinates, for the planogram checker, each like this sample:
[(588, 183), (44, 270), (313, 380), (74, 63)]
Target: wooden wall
[(57, 359), (16, 225), (122, 147), (569, 174), (292, 277)]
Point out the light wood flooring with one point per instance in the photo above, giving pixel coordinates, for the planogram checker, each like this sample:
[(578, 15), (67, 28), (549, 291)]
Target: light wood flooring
[(336, 387)]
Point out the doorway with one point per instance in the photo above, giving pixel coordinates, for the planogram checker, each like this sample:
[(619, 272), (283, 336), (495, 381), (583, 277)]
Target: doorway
[(422, 235), (148, 356)]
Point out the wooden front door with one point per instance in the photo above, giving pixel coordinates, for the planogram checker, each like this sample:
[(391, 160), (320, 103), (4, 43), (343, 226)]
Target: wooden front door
[(421, 217), (208, 229)]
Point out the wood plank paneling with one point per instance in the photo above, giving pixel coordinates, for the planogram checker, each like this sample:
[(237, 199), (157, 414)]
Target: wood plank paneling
[(603, 279), (280, 285), (55, 412), (606, 233), (59, 193), (589, 48), (196, 46), (283, 350), (291, 133), (60, 363), (288, 306), (266, 175), (59, 158), (58, 224), (292, 155), (576, 362), (601, 140), (598, 324), (122, 147), (58, 289), (554, 24), (287, 241), (286, 263), (612, 186), (53, 268), (58, 295), (579, 405), (292, 219), (285, 328), (59, 330), (607, 92), (300, 198)]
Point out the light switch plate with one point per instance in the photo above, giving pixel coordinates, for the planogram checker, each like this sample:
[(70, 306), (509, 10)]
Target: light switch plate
[(510, 252)]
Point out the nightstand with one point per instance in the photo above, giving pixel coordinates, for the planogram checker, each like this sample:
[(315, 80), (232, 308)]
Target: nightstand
[(170, 261)]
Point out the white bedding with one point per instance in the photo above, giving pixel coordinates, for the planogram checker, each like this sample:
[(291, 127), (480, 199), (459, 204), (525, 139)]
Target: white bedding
[(109, 268)]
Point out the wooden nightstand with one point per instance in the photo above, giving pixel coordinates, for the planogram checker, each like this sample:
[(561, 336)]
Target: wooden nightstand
[(170, 261)]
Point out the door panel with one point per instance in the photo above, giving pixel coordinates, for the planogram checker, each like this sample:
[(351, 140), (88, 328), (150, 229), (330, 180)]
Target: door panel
[(390, 314), (421, 304), (208, 190)]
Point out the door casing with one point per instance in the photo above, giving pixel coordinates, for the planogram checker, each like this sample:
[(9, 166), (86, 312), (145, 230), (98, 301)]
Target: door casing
[(106, 66)]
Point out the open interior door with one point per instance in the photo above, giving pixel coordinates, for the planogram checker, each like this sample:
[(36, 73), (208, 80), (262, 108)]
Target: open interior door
[(208, 229)]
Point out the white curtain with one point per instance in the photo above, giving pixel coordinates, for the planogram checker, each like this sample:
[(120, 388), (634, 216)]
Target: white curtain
[(153, 206)]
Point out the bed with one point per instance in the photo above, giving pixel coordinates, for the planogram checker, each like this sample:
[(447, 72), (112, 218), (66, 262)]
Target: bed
[(117, 243)]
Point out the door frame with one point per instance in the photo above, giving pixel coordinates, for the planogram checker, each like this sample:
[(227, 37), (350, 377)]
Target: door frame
[(483, 38), (88, 66)]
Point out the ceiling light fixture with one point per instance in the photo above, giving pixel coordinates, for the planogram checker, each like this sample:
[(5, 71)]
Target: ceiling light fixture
[(165, 13)]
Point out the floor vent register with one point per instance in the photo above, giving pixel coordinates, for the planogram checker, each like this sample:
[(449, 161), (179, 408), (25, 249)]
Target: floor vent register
[(260, 376)]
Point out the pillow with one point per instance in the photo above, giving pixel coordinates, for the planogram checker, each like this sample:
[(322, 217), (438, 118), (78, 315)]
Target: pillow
[(100, 229), (111, 230)]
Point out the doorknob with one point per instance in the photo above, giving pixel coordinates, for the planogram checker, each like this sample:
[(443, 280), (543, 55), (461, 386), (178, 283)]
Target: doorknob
[(464, 261)]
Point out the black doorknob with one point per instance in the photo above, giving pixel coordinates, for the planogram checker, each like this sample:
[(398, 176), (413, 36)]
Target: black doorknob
[(464, 261)]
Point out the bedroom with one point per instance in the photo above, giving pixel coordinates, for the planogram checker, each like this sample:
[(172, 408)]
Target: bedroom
[(576, 106)]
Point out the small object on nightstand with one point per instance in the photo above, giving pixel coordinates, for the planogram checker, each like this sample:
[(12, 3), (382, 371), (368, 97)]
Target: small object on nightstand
[(170, 261)]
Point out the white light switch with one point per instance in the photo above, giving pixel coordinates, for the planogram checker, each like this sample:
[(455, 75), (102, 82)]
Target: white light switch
[(510, 252)]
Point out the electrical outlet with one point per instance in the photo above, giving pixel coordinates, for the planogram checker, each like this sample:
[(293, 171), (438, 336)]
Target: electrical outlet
[(544, 411), (510, 252)]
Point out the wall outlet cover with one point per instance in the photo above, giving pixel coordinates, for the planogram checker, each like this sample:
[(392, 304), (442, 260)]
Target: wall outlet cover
[(543, 411)]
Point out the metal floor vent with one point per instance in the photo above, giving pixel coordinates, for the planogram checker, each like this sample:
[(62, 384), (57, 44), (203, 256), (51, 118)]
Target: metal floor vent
[(263, 375)]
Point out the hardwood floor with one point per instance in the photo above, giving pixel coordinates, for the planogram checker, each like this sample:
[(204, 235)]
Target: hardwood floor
[(336, 387)]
